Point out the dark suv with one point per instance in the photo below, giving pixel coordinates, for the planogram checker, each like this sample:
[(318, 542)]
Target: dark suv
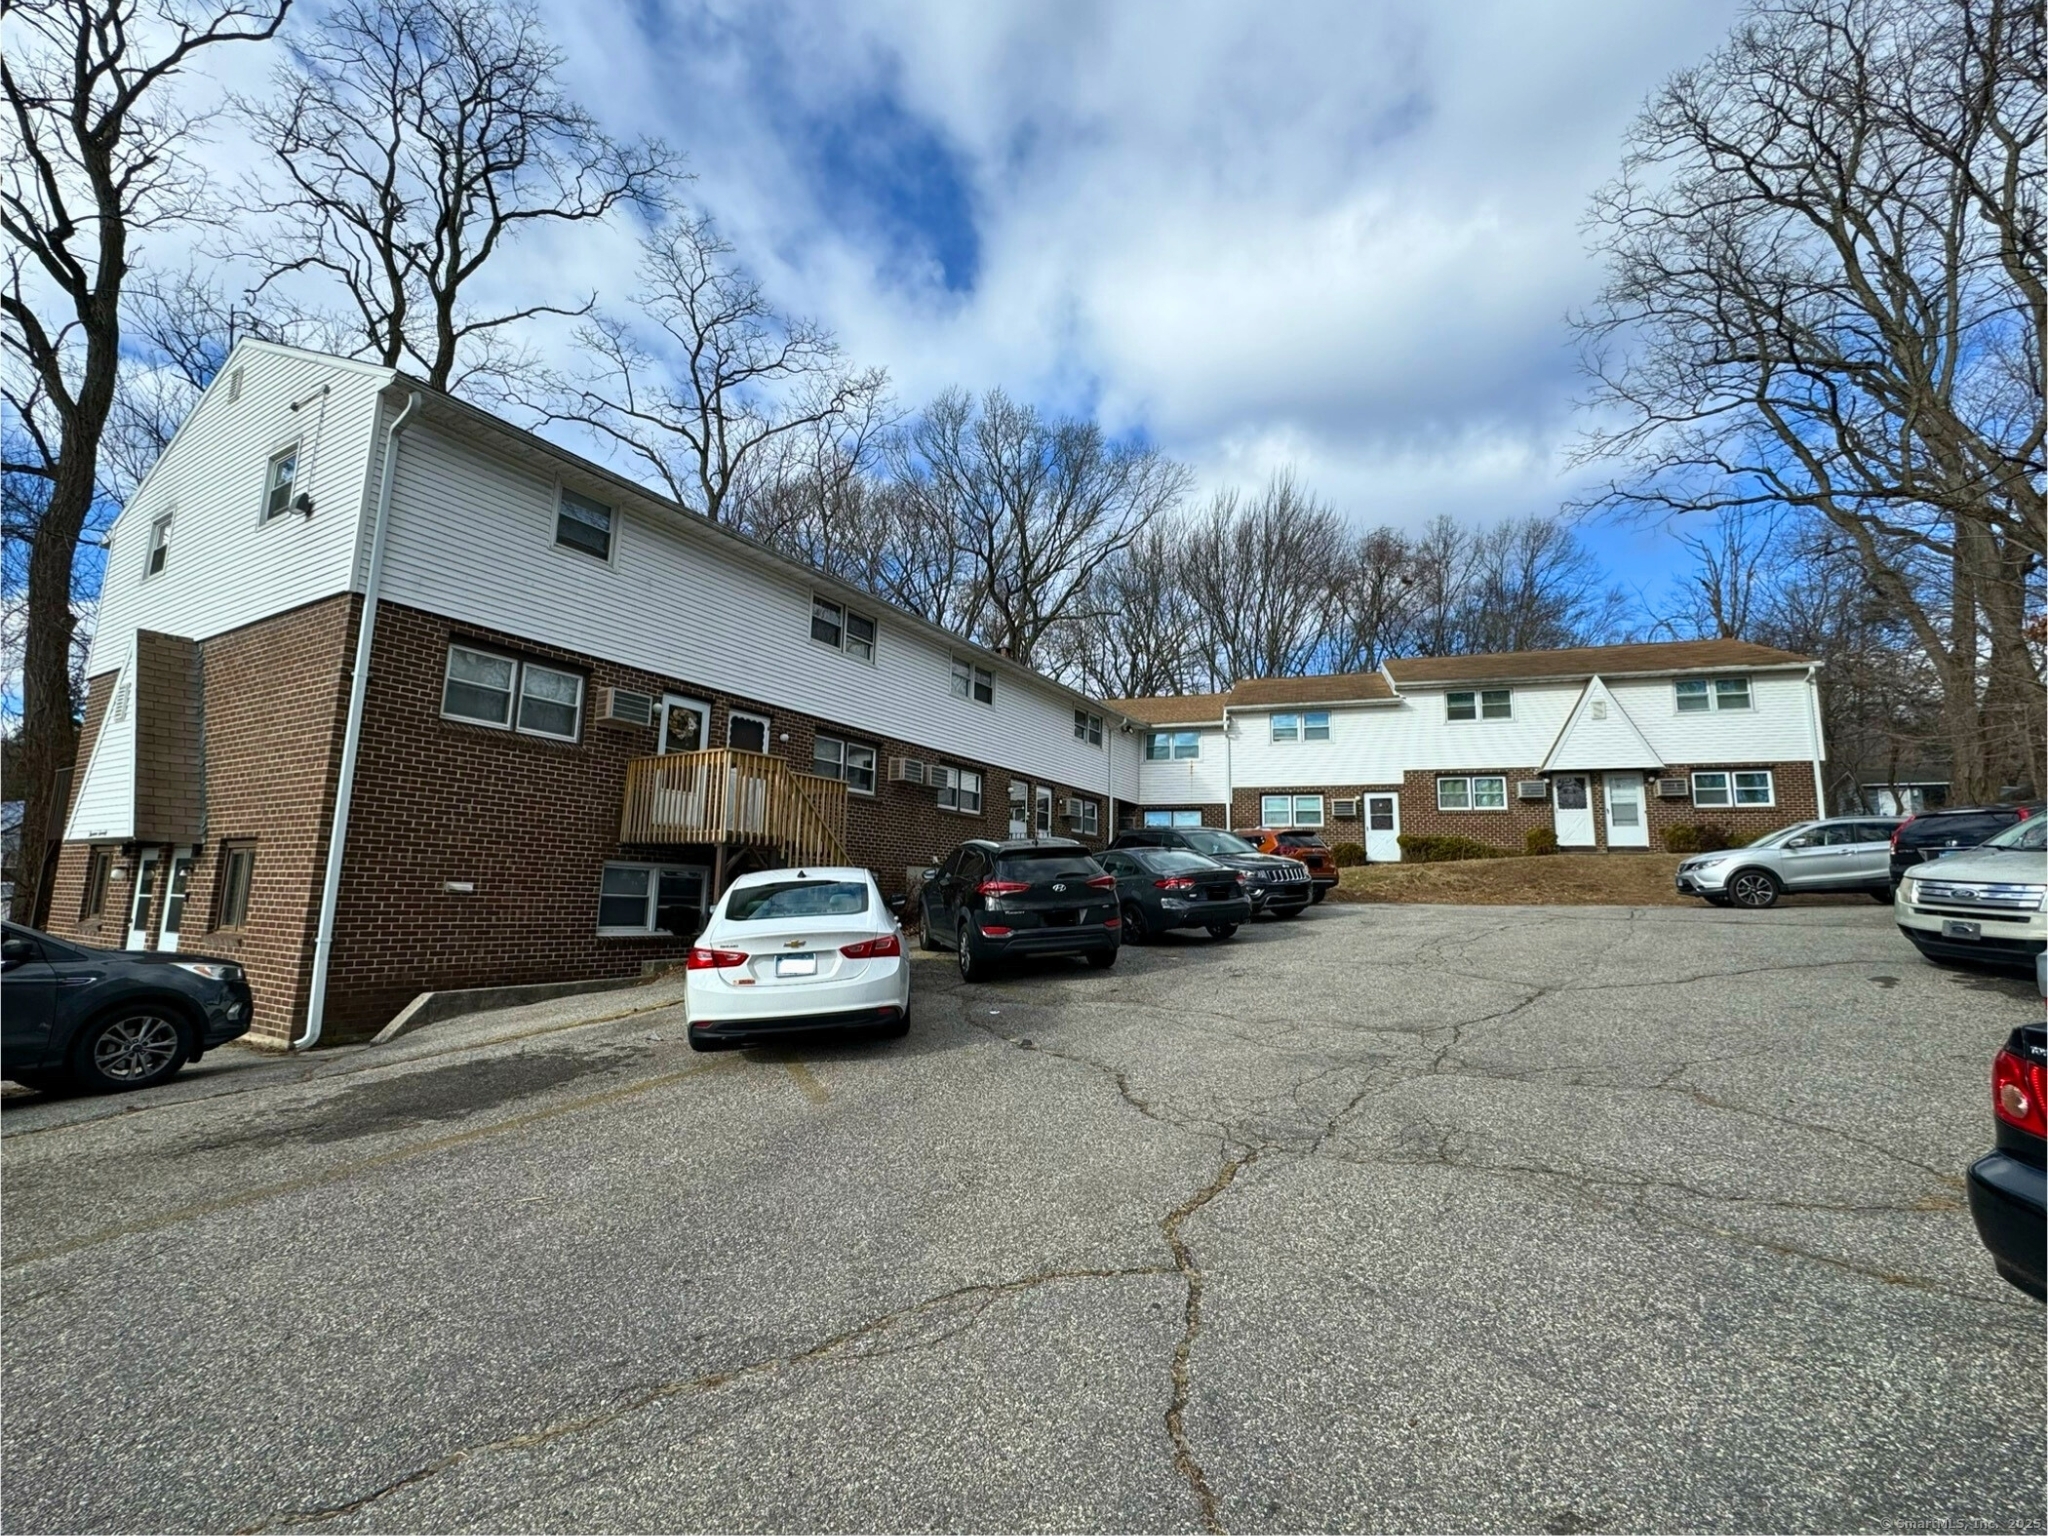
[(109, 1019), (1933, 833), (990, 901), (1275, 884)]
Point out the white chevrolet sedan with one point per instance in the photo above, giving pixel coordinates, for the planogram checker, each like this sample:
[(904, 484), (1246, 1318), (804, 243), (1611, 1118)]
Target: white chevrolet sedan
[(791, 950)]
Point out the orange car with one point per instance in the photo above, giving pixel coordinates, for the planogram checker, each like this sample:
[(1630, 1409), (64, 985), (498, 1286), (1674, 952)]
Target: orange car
[(1300, 843)]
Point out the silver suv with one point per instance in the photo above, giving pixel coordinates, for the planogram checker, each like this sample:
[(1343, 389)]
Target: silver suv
[(1842, 853)]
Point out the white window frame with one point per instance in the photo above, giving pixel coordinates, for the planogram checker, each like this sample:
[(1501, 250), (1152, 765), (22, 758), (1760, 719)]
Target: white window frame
[(1730, 789), (1480, 702), (159, 539), (1315, 725), (1472, 781), (284, 450), (1301, 820), (842, 623), (1710, 694), (967, 678), (845, 755), (766, 722), (1181, 818), (518, 692), (611, 528), (1291, 810), (1292, 730), (1087, 727), (1041, 811), (647, 930), (955, 791), (1090, 819), (1174, 741)]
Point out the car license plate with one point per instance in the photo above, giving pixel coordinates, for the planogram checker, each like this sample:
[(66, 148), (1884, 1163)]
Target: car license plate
[(796, 965), (1955, 928)]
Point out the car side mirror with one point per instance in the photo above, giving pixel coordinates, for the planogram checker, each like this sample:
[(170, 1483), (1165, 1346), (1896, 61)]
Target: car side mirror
[(1804, 842)]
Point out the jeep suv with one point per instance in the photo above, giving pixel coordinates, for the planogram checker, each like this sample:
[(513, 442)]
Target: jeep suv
[(1274, 884), (990, 901), (1298, 843)]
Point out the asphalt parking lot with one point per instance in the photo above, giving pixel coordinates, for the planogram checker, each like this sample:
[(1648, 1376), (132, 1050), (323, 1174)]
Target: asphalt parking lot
[(1391, 1218)]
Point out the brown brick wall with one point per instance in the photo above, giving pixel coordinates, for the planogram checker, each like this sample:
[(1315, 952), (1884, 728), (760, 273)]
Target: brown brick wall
[(1499, 829), (1214, 813), (1792, 783), (531, 823), (168, 761), (1349, 829)]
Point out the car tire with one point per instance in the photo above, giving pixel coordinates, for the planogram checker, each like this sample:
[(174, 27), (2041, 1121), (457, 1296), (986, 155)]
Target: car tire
[(1882, 896), (1294, 911), (1102, 959), (1221, 931), (927, 938), (1321, 892), (1755, 889), (972, 966), (895, 1031), (136, 1046), (1135, 930)]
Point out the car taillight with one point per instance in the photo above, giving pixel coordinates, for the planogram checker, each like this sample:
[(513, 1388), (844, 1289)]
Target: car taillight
[(1102, 882), (2025, 812), (1900, 828), (1002, 888), (873, 949), (2017, 1091), (1176, 883), (714, 959)]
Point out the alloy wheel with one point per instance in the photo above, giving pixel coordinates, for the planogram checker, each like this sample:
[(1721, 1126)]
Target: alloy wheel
[(135, 1049), (1753, 888)]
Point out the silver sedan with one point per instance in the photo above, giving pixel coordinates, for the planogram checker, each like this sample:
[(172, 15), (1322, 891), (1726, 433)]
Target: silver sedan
[(1842, 853)]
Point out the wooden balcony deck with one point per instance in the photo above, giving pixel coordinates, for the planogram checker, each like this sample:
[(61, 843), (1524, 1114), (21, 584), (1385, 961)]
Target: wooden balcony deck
[(724, 796)]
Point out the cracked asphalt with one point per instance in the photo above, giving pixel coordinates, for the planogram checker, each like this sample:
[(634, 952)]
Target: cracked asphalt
[(1391, 1218)]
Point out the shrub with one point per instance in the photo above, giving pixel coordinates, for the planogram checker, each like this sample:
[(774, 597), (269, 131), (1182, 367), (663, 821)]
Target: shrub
[(1539, 840), (1344, 855), (1698, 837), (1427, 848)]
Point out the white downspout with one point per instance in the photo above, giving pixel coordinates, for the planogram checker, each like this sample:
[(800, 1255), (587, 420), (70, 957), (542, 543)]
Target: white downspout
[(1820, 751), (352, 735), (1229, 775)]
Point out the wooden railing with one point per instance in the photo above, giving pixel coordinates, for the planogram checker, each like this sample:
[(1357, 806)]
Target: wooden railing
[(725, 796)]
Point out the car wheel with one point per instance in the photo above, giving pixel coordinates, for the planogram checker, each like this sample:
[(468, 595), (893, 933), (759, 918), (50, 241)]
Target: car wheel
[(1294, 911), (972, 966), (1321, 892), (1222, 930), (1135, 931), (134, 1047), (1753, 888), (927, 937), (1102, 959)]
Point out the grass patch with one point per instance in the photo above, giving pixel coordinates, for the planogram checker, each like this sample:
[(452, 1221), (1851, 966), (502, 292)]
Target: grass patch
[(1548, 880)]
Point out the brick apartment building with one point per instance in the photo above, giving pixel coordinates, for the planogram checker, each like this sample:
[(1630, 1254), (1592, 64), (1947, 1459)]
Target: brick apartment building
[(575, 709)]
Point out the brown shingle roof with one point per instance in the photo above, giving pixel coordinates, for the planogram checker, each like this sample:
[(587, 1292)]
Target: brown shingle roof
[(1608, 660), (1174, 709), (1331, 688)]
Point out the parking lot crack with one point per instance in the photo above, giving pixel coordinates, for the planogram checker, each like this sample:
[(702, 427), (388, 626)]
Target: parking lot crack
[(1171, 1228), (978, 1298)]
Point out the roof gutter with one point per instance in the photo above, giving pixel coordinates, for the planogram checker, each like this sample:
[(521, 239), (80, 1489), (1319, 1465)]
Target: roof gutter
[(352, 736)]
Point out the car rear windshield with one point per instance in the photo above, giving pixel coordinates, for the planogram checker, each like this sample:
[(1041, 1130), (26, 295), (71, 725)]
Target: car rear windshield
[(1300, 840), (798, 898), (1168, 861), (1046, 864), (1212, 843), (1939, 829)]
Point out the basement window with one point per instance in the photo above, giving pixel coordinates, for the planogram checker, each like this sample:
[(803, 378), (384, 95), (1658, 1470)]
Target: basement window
[(237, 872)]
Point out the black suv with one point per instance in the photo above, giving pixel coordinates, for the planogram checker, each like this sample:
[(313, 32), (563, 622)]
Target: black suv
[(110, 1018), (1933, 833), (1275, 884), (989, 901)]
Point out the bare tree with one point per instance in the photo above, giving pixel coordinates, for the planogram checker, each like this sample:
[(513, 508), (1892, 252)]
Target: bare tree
[(1534, 586), (1262, 575), (96, 156), (414, 140), (1374, 602), (1035, 509), (1139, 637), (710, 378), (1825, 292)]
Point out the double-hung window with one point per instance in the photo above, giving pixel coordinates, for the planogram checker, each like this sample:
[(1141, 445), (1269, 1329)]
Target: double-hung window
[(832, 758), (1698, 695), (1089, 820), (159, 545), (1042, 823), (1291, 810), (961, 791), (1480, 704), (481, 688), (278, 479), (972, 682), (237, 873), (1087, 727), (98, 865), (583, 524), (843, 629), (1313, 726), (1477, 792), (1164, 746), (1739, 787)]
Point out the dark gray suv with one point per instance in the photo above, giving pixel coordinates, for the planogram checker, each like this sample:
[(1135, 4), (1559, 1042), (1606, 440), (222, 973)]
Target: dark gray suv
[(1273, 884)]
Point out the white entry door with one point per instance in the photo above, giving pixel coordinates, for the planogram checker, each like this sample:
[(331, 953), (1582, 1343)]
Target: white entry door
[(1626, 825), (174, 901), (1572, 809), (139, 902), (1383, 829)]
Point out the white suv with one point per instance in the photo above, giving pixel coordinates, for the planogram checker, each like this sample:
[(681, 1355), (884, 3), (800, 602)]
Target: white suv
[(1983, 903)]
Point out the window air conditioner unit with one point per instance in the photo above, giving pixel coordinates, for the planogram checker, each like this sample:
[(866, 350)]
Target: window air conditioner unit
[(906, 770), (939, 776), (1074, 812), (625, 707), (1345, 810), (1532, 789), (1674, 789)]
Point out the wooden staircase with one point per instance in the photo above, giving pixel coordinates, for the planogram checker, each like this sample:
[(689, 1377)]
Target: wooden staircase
[(747, 805)]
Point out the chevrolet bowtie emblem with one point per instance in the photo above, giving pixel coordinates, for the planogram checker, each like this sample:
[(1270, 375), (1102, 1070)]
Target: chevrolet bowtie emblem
[(792, 943)]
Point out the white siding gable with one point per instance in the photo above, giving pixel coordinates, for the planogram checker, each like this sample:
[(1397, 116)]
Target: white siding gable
[(1778, 726), (105, 804), (1361, 749), (472, 537), (1599, 735), (226, 565)]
